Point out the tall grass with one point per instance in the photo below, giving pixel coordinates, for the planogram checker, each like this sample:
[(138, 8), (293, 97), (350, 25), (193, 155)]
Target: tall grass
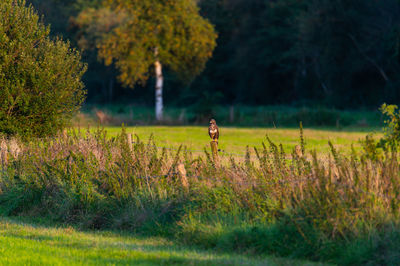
[(338, 209)]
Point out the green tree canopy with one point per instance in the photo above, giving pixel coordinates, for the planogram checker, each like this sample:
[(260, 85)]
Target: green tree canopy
[(40, 78), (303, 52), (136, 34)]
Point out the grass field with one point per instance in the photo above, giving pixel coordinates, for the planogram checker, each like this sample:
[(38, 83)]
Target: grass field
[(221, 214), (24, 244), (235, 140)]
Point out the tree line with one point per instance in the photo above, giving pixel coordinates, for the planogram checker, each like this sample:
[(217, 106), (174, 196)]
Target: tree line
[(339, 53)]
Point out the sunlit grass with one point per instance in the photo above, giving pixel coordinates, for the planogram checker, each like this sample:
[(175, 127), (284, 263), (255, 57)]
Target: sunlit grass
[(24, 244), (235, 140), (94, 181)]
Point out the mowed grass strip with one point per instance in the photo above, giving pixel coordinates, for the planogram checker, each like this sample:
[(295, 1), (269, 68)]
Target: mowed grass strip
[(23, 244), (235, 140)]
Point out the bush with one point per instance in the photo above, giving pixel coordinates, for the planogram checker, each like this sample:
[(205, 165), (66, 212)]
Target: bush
[(40, 78), (392, 126), (374, 149)]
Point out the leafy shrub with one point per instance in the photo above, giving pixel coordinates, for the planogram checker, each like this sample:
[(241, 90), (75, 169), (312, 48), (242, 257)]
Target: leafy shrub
[(373, 149), (40, 78), (392, 126)]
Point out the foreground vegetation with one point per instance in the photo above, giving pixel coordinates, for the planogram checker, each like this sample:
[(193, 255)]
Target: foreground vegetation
[(342, 209), (68, 246)]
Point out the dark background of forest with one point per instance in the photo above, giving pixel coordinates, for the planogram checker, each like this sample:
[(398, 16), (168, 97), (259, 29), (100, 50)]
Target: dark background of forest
[(333, 53)]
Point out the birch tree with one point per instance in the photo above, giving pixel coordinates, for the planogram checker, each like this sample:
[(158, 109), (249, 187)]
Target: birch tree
[(141, 37)]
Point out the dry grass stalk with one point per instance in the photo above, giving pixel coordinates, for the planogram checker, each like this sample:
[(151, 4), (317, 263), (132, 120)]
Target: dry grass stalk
[(336, 195)]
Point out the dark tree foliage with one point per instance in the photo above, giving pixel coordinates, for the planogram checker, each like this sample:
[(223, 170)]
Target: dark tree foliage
[(100, 81), (40, 78), (328, 52), (350, 50), (337, 53)]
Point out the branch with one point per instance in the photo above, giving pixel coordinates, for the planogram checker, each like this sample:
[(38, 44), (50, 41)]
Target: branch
[(368, 58)]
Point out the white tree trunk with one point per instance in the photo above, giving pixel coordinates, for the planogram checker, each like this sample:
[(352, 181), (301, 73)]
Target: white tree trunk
[(159, 91)]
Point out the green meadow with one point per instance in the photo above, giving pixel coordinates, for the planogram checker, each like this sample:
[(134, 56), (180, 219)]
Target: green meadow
[(103, 164), (31, 244), (84, 192), (235, 140)]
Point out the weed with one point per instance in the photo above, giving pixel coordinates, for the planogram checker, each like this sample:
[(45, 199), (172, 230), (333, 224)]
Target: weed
[(288, 205)]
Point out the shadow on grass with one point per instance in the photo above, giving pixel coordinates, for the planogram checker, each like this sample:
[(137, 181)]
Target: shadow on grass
[(79, 247)]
